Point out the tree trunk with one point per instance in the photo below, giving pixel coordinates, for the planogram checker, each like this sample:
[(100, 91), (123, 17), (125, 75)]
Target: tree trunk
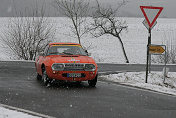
[(123, 49), (79, 39)]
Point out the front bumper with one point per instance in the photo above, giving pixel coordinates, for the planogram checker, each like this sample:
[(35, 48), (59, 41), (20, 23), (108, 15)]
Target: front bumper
[(62, 75)]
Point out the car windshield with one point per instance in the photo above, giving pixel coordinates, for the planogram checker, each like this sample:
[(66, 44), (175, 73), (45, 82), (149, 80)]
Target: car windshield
[(66, 50)]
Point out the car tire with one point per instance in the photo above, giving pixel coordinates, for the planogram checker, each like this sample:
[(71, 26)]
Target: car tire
[(45, 79), (93, 82), (39, 77)]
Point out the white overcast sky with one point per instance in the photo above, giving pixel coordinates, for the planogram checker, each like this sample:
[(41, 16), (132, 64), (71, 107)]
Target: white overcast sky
[(130, 9)]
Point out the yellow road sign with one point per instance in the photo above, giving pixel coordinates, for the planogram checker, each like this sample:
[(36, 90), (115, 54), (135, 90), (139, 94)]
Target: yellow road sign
[(156, 50)]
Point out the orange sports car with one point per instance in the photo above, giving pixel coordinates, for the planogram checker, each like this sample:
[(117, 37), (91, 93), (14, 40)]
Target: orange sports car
[(68, 62)]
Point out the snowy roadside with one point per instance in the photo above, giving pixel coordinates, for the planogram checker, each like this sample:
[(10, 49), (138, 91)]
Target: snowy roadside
[(137, 79), (6, 113)]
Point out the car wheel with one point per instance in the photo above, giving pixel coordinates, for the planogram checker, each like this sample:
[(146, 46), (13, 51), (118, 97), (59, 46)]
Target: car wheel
[(93, 82), (39, 77), (46, 81)]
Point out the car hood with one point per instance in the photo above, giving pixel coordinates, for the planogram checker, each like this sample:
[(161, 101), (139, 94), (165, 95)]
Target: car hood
[(71, 59)]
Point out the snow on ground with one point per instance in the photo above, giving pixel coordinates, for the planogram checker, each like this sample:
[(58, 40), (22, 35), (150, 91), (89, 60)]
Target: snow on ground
[(137, 79), (6, 113), (107, 49)]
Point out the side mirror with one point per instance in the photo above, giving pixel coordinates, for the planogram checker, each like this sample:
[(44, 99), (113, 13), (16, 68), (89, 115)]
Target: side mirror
[(88, 54), (86, 51)]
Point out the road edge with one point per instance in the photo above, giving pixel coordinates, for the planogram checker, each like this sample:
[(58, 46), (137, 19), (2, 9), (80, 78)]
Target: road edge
[(139, 88), (25, 111)]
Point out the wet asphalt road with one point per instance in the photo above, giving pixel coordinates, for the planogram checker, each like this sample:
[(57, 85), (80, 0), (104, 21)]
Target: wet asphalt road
[(19, 88)]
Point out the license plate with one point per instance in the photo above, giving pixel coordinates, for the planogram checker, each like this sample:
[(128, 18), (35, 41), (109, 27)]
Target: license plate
[(74, 75)]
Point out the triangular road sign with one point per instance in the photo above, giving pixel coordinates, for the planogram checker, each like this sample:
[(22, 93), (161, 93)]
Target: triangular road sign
[(151, 14), (145, 23)]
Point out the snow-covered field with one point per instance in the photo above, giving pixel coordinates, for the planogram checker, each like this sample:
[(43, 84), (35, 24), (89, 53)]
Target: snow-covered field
[(6, 113), (107, 49), (137, 79)]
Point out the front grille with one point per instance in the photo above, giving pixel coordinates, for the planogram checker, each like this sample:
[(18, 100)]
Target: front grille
[(74, 67)]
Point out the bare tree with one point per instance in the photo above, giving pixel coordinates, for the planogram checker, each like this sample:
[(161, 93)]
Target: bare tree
[(76, 10), (28, 36), (105, 21)]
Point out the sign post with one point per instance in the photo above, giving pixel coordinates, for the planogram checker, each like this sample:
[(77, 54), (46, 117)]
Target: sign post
[(151, 14), (148, 45), (145, 23)]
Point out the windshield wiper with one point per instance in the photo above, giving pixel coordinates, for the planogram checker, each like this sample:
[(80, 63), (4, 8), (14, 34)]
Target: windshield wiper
[(67, 53), (55, 53), (81, 54)]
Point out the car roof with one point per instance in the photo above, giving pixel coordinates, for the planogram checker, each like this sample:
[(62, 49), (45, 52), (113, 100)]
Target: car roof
[(64, 44)]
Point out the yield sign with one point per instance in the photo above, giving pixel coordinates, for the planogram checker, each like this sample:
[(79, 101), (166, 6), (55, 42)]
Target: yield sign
[(151, 13), (147, 26)]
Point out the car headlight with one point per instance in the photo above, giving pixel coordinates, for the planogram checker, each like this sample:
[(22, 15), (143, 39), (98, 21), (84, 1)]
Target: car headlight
[(57, 67), (90, 67)]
